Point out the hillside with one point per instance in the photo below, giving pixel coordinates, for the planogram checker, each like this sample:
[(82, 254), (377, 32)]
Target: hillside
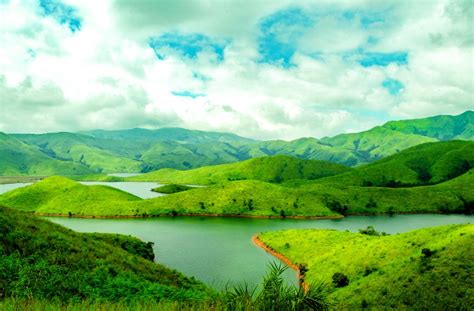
[(428, 163), (42, 260), (19, 158), (427, 269), (395, 136), (443, 127), (275, 169), (59, 195), (84, 150), (255, 198)]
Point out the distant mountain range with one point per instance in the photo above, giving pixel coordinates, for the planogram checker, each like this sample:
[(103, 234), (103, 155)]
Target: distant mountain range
[(143, 150)]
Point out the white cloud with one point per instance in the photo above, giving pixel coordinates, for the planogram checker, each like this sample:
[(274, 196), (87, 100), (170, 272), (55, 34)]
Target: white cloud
[(106, 76)]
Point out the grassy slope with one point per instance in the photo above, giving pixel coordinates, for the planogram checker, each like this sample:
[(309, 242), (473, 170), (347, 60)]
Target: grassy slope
[(270, 169), (61, 195), (250, 198), (18, 158), (388, 271), (85, 150), (43, 260), (443, 127), (172, 188), (423, 164), (129, 243)]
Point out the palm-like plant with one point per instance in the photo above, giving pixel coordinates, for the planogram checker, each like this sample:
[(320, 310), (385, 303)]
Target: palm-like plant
[(277, 295)]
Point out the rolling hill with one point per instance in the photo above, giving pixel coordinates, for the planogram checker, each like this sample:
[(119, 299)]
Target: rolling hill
[(427, 269), (274, 169), (19, 158), (428, 163), (246, 198), (143, 150), (44, 261)]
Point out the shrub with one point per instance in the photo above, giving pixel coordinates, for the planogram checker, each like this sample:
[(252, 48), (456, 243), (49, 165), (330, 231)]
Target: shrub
[(340, 280)]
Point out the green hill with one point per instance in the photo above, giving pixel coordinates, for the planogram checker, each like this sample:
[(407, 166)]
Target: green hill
[(395, 136), (428, 163), (442, 127), (84, 150), (59, 195), (143, 150), (427, 269), (274, 169), (41, 260), (19, 158)]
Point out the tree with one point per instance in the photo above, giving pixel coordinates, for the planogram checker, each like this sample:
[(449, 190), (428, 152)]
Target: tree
[(340, 280)]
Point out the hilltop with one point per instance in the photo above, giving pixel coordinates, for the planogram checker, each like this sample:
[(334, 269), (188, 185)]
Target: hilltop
[(58, 195), (424, 269), (41, 260), (275, 169), (428, 163), (143, 150), (19, 158)]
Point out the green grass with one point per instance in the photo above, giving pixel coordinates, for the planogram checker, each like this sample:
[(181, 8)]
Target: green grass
[(388, 272), (141, 150), (19, 159), (172, 188), (126, 242), (428, 163), (58, 195), (274, 169), (42, 260)]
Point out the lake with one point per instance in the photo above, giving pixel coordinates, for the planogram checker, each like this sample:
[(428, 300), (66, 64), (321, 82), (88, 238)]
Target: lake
[(219, 251)]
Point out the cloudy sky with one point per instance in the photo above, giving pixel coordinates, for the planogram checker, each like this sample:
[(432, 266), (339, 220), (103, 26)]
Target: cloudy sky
[(262, 69)]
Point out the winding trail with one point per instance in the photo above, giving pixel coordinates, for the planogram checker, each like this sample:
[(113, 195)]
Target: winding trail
[(256, 240)]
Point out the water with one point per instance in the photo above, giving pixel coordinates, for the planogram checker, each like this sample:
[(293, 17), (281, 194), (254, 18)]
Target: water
[(140, 189), (219, 251), (7, 187)]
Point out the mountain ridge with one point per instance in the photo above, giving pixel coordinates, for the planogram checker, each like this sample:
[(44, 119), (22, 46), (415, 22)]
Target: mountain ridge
[(144, 150)]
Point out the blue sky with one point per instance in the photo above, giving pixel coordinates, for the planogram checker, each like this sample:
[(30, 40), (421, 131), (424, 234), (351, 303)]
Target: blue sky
[(262, 69)]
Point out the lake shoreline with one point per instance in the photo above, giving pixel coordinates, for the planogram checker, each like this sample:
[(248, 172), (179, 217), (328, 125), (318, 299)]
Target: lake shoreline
[(187, 215), (259, 243), (334, 217)]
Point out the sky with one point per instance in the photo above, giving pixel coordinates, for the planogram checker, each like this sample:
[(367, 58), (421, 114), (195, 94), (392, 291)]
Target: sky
[(261, 69)]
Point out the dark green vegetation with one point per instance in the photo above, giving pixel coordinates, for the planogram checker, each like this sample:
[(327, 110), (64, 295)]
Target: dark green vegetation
[(172, 188), (425, 164), (129, 243), (42, 260), (274, 169), (427, 269), (141, 150)]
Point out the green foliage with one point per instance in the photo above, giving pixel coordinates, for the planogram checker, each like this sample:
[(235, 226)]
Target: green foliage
[(340, 279), (141, 150), (42, 260), (371, 231), (172, 188), (419, 270), (130, 244), (276, 295), (275, 169), (424, 164)]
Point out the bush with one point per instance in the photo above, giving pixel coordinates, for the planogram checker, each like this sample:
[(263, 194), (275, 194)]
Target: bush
[(340, 280)]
